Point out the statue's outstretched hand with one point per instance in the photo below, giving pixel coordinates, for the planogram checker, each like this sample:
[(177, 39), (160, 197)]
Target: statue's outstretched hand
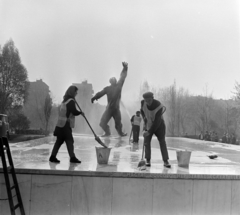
[(93, 99), (125, 65)]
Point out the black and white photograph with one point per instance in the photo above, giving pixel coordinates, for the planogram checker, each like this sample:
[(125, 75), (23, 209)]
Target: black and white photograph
[(112, 107)]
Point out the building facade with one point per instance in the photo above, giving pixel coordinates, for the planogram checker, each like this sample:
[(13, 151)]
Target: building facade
[(34, 104)]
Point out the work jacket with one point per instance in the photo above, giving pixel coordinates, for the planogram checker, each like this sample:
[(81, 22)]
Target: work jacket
[(150, 114), (136, 120), (62, 117)]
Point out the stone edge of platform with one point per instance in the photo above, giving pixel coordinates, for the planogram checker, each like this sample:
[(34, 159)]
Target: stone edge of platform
[(126, 174)]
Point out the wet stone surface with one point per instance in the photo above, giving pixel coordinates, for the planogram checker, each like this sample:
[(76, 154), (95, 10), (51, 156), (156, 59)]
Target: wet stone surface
[(125, 156)]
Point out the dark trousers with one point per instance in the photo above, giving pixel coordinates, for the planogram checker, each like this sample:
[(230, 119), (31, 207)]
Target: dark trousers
[(64, 135), (107, 115), (160, 134), (135, 131)]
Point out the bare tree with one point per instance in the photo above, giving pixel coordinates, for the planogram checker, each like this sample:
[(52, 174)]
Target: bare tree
[(47, 111), (182, 110), (172, 108)]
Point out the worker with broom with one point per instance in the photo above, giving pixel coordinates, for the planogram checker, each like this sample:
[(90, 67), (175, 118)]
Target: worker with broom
[(113, 93), (152, 111), (65, 123)]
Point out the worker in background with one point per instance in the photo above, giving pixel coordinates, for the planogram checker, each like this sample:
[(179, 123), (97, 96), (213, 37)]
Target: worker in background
[(136, 121), (113, 93), (152, 112)]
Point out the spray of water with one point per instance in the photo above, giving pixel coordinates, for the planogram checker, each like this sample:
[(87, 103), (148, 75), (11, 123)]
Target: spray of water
[(125, 109)]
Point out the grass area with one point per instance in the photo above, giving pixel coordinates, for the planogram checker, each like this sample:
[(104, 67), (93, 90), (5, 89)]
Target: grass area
[(14, 138)]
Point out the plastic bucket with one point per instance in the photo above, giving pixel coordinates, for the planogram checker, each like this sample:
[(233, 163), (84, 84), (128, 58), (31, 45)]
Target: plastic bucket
[(183, 158), (102, 155)]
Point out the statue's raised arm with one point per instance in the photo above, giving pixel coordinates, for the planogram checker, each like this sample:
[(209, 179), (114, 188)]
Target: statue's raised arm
[(123, 74)]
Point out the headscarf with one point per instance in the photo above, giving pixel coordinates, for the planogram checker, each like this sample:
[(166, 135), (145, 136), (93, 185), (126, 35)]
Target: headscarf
[(70, 93)]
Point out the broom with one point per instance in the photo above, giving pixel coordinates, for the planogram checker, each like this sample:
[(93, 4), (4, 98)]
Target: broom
[(96, 137)]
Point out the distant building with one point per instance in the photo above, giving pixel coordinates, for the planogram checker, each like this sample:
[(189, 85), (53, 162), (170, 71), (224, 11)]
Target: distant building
[(34, 104), (93, 112), (83, 98), (85, 93)]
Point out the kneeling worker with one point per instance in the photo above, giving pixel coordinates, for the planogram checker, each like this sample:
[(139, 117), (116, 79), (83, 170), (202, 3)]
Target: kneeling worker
[(152, 111)]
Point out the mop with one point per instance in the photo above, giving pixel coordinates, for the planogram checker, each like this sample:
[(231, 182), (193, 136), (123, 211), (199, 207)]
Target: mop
[(142, 162), (96, 137)]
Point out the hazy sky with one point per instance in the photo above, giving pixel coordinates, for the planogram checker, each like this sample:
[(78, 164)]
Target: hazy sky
[(195, 42)]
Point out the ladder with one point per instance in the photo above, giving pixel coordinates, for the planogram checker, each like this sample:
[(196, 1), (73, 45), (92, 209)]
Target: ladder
[(4, 146)]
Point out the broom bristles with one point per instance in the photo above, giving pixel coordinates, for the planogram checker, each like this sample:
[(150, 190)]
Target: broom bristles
[(100, 142), (141, 163)]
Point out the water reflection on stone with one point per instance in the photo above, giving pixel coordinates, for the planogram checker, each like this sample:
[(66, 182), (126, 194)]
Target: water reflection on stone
[(116, 156), (119, 143), (166, 170), (135, 158), (106, 167), (183, 170), (134, 147), (106, 141), (124, 157), (73, 166), (53, 165)]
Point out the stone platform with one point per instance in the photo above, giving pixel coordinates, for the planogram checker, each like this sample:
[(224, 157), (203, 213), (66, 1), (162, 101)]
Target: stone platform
[(32, 157), (207, 186)]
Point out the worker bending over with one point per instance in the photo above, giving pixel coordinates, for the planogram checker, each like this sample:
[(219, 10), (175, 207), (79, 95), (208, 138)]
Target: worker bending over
[(152, 112)]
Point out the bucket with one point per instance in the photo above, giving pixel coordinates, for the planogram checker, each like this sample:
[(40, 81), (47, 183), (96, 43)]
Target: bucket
[(183, 158), (102, 155)]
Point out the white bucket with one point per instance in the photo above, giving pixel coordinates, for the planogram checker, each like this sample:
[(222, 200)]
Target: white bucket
[(183, 158), (102, 154)]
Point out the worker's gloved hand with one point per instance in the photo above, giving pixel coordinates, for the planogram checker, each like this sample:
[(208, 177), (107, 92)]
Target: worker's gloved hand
[(144, 127), (145, 120), (145, 133), (125, 65)]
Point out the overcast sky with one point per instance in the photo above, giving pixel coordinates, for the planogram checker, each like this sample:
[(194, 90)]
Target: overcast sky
[(195, 43)]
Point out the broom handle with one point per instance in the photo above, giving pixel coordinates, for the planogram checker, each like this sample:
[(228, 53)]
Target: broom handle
[(143, 150), (86, 119), (130, 134)]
